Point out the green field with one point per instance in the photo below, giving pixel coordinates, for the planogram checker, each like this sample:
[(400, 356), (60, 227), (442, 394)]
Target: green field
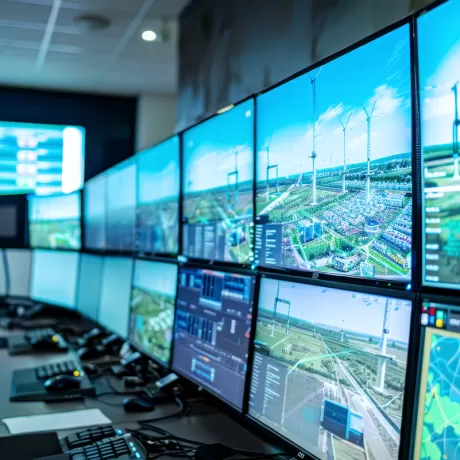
[(152, 320), (62, 234)]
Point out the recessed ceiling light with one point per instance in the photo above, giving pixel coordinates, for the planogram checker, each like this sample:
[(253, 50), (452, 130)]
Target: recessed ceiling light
[(149, 35)]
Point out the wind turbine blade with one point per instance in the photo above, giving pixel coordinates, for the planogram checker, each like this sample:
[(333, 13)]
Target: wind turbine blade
[(373, 107), (339, 118)]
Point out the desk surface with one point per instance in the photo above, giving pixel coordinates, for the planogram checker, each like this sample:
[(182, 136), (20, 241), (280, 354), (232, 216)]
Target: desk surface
[(209, 426)]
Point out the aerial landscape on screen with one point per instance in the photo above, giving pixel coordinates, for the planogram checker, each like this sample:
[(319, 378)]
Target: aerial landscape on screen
[(341, 358), (439, 69), (158, 198), (334, 170), (152, 308), (218, 186), (54, 222)]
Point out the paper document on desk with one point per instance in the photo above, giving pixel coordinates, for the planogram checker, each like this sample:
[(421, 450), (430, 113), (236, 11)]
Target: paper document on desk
[(57, 421)]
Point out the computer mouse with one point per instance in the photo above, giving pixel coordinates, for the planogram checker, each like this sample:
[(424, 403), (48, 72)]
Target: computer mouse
[(90, 353), (46, 342), (62, 383), (138, 404), (91, 369)]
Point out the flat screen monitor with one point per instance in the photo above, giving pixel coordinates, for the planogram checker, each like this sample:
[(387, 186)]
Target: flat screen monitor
[(55, 221), (158, 186), (121, 206), (116, 294), (19, 264), (334, 187), (329, 369), (217, 187), (41, 159), (153, 297), (436, 434), (439, 76), (94, 212), (89, 285), (212, 331), (54, 277)]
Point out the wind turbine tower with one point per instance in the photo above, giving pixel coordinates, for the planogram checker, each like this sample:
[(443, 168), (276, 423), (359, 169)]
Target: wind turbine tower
[(235, 174), (313, 153), (368, 175), (269, 167), (382, 365), (344, 130), (455, 133)]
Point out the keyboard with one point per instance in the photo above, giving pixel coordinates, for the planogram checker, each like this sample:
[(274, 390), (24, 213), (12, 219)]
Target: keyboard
[(28, 384), (124, 447), (90, 436), (21, 343)]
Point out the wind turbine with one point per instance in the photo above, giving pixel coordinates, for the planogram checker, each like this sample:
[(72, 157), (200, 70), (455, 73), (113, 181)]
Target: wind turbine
[(368, 175), (344, 129), (313, 153), (269, 167)]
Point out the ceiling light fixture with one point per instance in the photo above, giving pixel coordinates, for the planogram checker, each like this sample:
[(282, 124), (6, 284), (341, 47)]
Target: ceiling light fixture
[(149, 36)]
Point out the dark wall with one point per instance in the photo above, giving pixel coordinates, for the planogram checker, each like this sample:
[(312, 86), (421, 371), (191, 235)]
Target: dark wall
[(109, 121), (230, 49)]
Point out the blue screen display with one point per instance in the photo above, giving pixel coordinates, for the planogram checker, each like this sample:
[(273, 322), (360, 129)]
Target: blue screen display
[(218, 187), (334, 189), (439, 76), (158, 181), (89, 285), (95, 212), (55, 221), (121, 206), (41, 159)]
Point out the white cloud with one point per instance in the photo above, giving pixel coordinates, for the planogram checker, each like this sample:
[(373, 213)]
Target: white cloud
[(434, 107), (331, 113), (387, 100)]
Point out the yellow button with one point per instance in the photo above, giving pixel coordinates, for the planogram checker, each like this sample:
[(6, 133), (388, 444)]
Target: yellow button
[(76, 373), (439, 323), (55, 338)]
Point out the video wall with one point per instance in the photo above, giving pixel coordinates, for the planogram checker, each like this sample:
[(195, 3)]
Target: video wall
[(41, 159)]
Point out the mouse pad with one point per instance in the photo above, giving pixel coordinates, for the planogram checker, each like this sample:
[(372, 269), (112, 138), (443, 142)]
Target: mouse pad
[(29, 446)]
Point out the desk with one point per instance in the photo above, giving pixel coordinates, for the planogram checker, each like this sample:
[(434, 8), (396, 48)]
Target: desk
[(209, 427)]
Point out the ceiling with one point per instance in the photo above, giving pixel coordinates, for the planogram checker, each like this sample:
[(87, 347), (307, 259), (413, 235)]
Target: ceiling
[(41, 45)]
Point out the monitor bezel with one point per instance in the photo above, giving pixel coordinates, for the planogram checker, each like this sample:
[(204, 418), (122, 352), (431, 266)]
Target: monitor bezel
[(412, 354), (29, 222), (132, 343), (220, 263), (77, 281), (256, 280), (401, 284), (155, 254), (21, 239)]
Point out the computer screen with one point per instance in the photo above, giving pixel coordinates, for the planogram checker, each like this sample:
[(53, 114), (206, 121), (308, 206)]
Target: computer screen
[(55, 221), (54, 277), (158, 186), (439, 76), (212, 330), (3, 274), (153, 297), (121, 206), (334, 186), (329, 369), (19, 265), (41, 159), (89, 285), (437, 436), (218, 187), (115, 294), (94, 212)]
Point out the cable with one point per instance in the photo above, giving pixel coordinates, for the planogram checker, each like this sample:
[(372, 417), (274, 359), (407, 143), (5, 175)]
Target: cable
[(183, 409)]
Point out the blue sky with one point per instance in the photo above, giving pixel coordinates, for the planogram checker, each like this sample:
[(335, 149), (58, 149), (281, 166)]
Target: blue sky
[(378, 71), (156, 276), (158, 171), (121, 185), (439, 67), (209, 149), (55, 207), (336, 307)]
